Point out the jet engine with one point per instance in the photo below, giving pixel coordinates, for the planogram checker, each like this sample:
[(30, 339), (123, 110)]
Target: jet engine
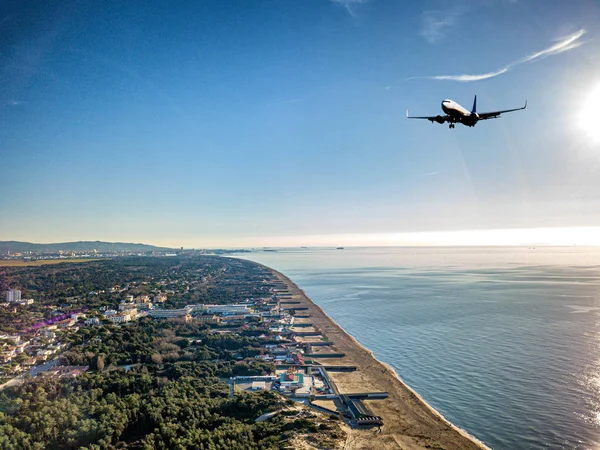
[(439, 119)]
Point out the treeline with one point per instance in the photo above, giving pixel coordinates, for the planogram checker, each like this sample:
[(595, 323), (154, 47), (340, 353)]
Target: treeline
[(169, 396), (161, 342), (199, 279), (139, 409)]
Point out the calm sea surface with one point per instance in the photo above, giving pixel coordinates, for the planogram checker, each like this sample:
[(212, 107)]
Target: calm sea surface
[(504, 342)]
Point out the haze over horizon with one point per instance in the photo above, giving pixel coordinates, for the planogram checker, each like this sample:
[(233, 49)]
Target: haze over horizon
[(278, 123)]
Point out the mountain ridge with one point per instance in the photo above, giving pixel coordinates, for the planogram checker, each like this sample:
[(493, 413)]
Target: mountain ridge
[(77, 246)]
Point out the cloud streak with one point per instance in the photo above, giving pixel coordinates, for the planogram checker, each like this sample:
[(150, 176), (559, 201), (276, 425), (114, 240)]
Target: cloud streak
[(436, 24), (565, 44), (348, 4), (467, 77)]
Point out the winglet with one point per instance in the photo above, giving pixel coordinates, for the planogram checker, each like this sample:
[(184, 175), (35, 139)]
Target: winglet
[(474, 109), (407, 113), (525, 104)]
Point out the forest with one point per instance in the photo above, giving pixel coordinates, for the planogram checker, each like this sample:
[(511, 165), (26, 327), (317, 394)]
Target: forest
[(70, 286), (152, 384)]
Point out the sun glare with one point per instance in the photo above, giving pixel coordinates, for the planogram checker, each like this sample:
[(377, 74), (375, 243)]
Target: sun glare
[(588, 115)]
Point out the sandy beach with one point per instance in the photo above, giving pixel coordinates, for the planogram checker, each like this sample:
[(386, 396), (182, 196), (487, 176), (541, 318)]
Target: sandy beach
[(409, 422)]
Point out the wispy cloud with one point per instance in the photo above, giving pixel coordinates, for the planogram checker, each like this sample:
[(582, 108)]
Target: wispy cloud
[(436, 24), (565, 44), (349, 5), (467, 77)]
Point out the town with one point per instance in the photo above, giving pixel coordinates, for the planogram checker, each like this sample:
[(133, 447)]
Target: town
[(253, 327)]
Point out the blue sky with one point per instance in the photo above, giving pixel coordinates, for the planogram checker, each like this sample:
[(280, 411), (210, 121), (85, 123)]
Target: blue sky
[(224, 123)]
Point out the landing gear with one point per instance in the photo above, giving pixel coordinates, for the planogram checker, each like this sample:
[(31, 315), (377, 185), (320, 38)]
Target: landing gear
[(451, 125)]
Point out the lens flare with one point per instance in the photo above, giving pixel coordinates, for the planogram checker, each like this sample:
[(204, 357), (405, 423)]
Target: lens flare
[(590, 114)]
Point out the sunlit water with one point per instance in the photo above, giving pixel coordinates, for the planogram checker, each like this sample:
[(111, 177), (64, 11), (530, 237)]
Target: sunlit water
[(504, 342)]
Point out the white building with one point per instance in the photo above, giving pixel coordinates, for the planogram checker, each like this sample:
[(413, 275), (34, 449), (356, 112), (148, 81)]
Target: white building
[(169, 313), (124, 306), (234, 309), (11, 337), (13, 295), (120, 318)]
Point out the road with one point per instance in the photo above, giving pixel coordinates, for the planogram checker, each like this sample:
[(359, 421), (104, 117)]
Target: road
[(32, 372)]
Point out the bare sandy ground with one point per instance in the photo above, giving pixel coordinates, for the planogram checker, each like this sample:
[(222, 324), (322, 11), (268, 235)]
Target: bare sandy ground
[(409, 422)]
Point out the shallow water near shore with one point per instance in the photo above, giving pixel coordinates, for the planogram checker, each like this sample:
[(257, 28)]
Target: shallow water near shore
[(504, 342)]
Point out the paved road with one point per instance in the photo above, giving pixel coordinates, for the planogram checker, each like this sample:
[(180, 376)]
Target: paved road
[(44, 367), (33, 372)]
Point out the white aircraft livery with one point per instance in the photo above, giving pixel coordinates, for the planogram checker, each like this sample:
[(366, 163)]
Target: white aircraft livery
[(455, 113)]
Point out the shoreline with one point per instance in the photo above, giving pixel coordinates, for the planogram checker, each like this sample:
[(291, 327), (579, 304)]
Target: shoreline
[(409, 421)]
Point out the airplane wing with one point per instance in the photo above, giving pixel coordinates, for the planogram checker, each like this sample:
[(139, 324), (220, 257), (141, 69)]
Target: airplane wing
[(496, 114), (438, 119)]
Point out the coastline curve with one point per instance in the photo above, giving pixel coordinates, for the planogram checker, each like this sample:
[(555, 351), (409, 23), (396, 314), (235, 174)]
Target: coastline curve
[(410, 422)]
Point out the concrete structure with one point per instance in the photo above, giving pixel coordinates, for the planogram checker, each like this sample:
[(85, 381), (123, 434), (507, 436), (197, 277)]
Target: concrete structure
[(13, 295), (208, 318), (124, 306), (25, 301), (233, 309), (170, 313), (258, 386)]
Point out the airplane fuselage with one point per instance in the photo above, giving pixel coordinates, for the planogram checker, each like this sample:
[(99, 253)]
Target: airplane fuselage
[(455, 113), (458, 113)]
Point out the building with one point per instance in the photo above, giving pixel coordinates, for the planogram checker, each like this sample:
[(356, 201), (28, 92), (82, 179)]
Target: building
[(145, 306), (124, 306), (119, 318), (48, 334), (65, 323), (25, 301), (143, 299), (234, 309), (10, 337), (160, 298), (170, 313), (208, 318), (298, 359), (66, 371), (13, 295)]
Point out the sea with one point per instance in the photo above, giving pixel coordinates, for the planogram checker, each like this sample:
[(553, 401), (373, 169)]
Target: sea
[(503, 341)]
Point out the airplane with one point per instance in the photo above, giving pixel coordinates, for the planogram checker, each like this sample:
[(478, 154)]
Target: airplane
[(455, 113)]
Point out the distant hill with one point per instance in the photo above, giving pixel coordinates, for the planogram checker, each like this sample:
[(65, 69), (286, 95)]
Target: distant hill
[(81, 246)]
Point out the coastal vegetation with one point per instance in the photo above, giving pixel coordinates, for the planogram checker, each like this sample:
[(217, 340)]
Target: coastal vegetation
[(72, 286), (148, 384), (147, 407)]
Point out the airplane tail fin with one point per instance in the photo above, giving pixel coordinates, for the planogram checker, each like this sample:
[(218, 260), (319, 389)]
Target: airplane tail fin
[(474, 109)]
